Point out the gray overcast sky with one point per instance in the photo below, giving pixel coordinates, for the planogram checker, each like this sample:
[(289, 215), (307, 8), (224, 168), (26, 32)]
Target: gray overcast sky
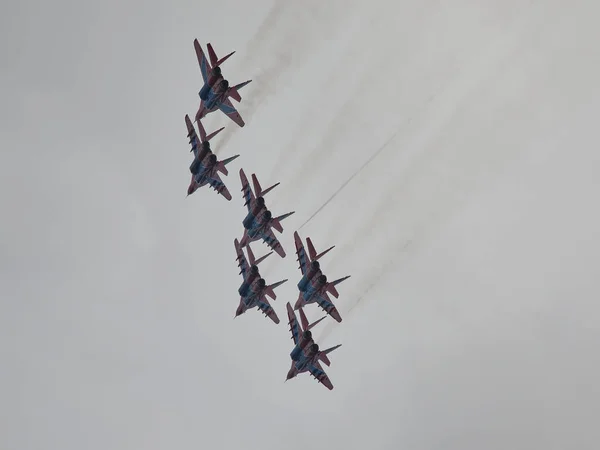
[(472, 234)]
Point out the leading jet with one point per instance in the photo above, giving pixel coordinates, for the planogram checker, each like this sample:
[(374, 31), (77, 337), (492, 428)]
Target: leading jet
[(205, 166), (259, 222), (215, 91), (313, 285), (254, 290), (306, 356)]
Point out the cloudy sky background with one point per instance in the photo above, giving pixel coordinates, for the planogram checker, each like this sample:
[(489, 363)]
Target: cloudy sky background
[(455, 148)]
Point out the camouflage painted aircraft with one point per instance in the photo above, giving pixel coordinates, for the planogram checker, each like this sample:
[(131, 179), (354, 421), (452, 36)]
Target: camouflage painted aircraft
[(254, 290), (259, 222), (313, 285), (205, 166), (215, 91), (306, 356)]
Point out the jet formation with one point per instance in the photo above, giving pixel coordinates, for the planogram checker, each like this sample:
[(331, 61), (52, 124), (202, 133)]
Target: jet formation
[(259, 225)]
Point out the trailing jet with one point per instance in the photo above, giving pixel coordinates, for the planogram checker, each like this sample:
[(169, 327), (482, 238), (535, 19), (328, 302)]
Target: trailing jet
[(215, 91), (300, 332), (205, 166), (259, 222), (313, 285), (248, 268), (254, 290), (306, 356)]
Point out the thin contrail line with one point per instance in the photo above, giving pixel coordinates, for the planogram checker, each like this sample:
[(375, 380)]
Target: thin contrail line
[(383, 147)]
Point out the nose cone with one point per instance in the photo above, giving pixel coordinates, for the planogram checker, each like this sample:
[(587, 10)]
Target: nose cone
[(290, 374), (191, 189)]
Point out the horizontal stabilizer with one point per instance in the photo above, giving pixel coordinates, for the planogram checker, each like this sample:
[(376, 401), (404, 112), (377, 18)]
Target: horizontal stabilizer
[(224, 58), (312, 253), (276, 222), (331, 286), (314, 323), (221, 165), (330, 349), (323, 355), (270, 188), (258, 189), (262, 258), (269, 290), (211, 135), (252, 260), (234, 93), (212, 55)]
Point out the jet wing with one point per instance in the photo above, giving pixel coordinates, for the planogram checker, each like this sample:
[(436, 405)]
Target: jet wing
[(217, 184), (302, 257), (194, 141), (326, 305), (317, 371), (293, 322), (202, 61), (243, 262), (269, 238), (231, 112), (246, 191), (264, 305)]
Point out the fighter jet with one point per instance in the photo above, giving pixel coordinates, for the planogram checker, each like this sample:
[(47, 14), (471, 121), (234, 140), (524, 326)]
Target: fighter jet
[(205, 166), (215, 91), (259, 222), (313, 285), (306, 356), (249, 272), (254, 290)]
